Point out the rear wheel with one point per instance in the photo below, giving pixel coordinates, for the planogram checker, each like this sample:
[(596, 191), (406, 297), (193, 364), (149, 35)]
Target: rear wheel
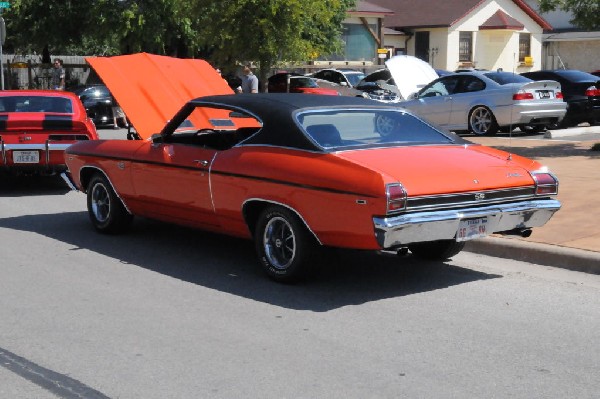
[(436, 250), (482, 121), (105, 209), (283, 244)]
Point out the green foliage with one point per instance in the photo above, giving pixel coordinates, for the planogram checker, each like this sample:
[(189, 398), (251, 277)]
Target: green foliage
[(270, 31), (595, 147), (586, 13)]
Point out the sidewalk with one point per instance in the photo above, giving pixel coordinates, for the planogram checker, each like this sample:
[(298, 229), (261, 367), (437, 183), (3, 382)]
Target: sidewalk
[(571, 239)]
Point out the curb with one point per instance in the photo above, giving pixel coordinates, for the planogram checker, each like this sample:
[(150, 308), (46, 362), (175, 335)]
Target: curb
[(570, 132), (543, 254)]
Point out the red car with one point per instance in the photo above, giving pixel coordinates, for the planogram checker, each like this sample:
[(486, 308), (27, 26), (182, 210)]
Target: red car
[(295, 173), (36, 126), (296, 83)]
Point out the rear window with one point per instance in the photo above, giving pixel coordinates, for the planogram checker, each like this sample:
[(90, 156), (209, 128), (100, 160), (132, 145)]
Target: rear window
[(366, 128), (577, 76), (36, 104), (506, 77)]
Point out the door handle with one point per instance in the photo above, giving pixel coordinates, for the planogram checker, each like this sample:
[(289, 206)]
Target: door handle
[(201, 162)]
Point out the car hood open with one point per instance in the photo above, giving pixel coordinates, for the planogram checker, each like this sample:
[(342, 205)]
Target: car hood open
[(152, 88), (410, 73)]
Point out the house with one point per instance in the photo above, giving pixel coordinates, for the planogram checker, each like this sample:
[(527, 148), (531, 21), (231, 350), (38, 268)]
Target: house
[(567, 46), (454, 34), (363, 38)]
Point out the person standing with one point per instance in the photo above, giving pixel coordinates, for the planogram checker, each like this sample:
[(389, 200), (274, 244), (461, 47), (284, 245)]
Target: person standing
[(57, 81), (249, 81)]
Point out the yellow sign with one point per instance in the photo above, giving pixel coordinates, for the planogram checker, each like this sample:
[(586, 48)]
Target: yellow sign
[(382, 51)]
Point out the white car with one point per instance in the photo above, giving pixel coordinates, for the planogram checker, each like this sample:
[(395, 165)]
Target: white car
[(485, 102)]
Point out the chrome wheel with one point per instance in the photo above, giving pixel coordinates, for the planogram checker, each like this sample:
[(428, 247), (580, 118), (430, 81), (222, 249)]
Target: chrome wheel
[(279, 243), (105, 209), (100, 202), (482, 121), (384, 125)]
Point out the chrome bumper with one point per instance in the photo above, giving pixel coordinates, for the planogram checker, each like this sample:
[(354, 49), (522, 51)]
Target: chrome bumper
[(395, 231), (47, 147)]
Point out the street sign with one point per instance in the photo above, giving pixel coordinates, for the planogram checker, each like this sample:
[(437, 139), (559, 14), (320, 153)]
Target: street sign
[(4, 4)]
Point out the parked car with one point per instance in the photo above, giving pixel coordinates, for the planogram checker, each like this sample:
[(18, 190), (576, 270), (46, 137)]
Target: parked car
[(581, 91), (297, 173), (343, 77), (342, 90), (296, 83), (380, 86), (474, 102), (100, 105), (36, 126)]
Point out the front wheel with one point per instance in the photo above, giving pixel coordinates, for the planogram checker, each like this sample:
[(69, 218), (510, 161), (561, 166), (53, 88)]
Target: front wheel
[(283, 244), (436, 250), (482, 121), (106, 211)]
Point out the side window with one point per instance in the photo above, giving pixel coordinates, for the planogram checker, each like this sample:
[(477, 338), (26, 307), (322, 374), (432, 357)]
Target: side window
[(471, 84), (439, 88)]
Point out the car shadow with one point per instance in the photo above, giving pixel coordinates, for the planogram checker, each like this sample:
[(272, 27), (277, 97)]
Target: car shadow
[(230, 265), (552, 151), (24, 185)]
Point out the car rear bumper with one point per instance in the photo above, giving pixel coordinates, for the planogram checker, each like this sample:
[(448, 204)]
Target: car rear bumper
[(50, 154), (532, 114), (395, 231)]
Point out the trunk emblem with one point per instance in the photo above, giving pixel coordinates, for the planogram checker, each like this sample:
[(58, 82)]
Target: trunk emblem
[(479, 196)]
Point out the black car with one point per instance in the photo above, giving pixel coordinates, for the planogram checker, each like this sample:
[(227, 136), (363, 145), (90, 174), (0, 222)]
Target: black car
[(581, 91), (100, 105)]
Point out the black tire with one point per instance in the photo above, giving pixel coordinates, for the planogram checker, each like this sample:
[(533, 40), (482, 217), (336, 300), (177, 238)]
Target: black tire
[(284, 245), (105, 209), (436, 250), (532, 129), (482, 121)]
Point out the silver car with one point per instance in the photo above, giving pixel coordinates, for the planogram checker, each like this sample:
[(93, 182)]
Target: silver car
[(485, 102)]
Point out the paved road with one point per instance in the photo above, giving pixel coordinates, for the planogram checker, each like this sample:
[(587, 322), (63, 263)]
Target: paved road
[(165, 312)]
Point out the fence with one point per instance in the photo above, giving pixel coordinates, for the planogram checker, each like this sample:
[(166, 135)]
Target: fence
[(29, 72)]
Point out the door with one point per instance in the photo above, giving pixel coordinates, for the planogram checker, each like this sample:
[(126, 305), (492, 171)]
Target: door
[(434, 101), (172, 183), (469, 91), (422, 45)]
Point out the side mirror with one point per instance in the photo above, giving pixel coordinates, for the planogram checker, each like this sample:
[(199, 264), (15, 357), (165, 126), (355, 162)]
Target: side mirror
[(343, 83)]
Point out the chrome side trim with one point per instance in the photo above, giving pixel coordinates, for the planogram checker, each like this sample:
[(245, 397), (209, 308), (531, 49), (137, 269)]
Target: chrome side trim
[(399, 230), (83, 189), (66, 176), (285, 206)]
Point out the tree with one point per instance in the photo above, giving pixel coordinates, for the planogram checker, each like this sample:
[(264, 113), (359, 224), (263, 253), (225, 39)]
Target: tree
[(586, 13), (270, 31)]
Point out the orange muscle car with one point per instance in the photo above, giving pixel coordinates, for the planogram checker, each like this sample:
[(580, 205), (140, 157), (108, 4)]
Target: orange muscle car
[(36, 126), (295, 172)]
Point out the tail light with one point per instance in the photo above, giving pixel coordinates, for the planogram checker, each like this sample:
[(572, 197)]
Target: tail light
[(522, 95), (559, 94), (545, 183), (396, 197), (592, 91)]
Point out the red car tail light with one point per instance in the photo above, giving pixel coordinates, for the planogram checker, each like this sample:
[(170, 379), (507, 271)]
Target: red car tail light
[(559, 94), (396, 197), (522, 95), (545, 183), (592, 91)]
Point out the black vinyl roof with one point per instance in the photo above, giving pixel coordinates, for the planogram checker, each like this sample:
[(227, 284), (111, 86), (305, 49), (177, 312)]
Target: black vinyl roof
[(277, 113)]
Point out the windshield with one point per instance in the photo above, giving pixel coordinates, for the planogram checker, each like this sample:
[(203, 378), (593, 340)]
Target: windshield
[(36, 104), (354, 77), (302, 82), (368, 128), (577, 76), (506, 77)]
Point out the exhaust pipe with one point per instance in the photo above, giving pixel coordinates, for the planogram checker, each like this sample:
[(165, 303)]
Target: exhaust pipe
[(517, 232)]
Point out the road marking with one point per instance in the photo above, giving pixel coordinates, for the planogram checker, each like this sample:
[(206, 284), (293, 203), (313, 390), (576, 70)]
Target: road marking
[(58, 384)]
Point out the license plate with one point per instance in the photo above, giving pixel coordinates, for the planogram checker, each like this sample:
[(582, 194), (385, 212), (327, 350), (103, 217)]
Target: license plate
[(469, 229), (545, 94), (26, 157)]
